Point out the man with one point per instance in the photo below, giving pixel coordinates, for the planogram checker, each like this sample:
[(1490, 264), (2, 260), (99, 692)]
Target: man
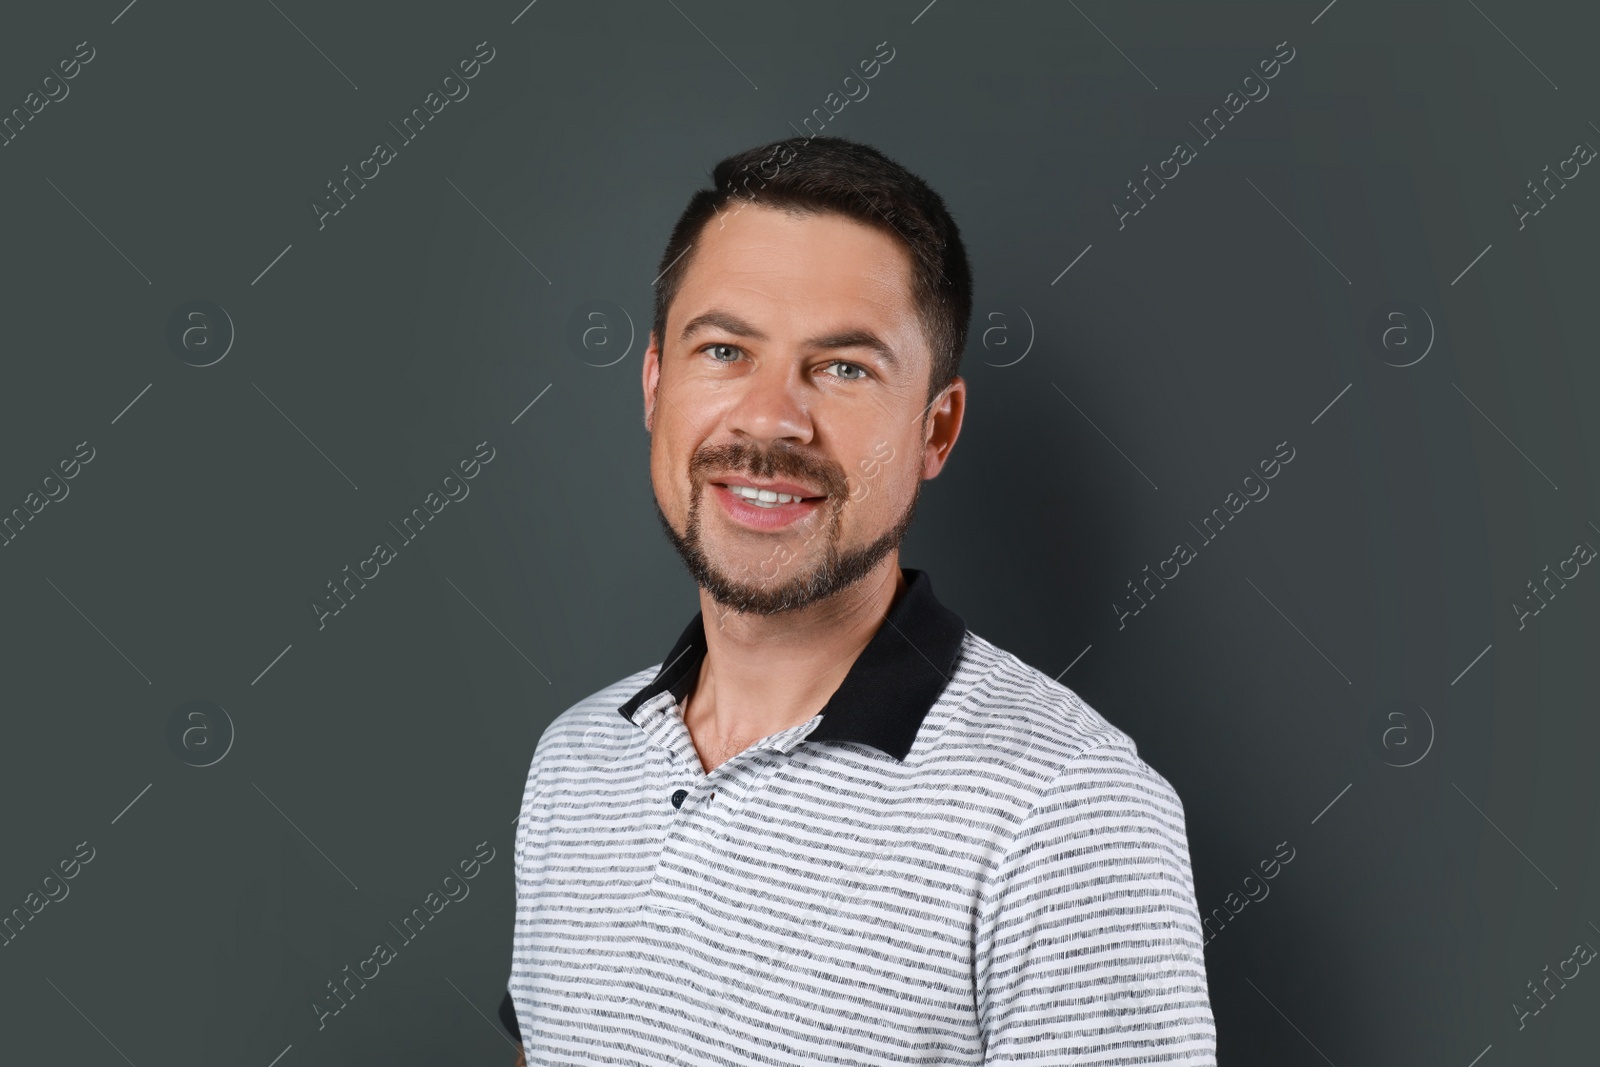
[(833, 825)]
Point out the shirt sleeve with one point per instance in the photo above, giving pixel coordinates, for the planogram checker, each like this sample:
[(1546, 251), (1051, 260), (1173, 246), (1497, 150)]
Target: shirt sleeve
[(1089, 946), (508, 1004)]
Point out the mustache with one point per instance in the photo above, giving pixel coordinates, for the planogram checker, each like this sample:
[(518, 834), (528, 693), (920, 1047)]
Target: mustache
[(769, 463)]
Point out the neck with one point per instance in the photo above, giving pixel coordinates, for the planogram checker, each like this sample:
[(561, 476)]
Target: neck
[(765, 673)]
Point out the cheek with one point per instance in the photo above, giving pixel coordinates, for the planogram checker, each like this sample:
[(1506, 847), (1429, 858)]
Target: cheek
[(668, 477), (883, 481)]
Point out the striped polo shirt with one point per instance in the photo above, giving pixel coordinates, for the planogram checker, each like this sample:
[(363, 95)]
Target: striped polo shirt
[(956, 861)]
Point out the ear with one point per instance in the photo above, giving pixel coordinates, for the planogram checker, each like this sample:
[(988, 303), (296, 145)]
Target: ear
[(944, 426), (651, 379)]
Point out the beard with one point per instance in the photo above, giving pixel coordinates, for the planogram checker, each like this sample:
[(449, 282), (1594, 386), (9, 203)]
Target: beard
[(835, 572)]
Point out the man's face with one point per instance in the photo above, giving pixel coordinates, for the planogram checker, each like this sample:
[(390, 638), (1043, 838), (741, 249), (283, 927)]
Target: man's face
[(794, 361)]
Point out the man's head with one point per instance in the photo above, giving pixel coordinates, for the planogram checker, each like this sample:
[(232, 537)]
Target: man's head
[(809, 321)]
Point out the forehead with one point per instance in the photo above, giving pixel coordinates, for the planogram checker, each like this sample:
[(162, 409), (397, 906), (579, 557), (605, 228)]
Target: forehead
[(800, 268)]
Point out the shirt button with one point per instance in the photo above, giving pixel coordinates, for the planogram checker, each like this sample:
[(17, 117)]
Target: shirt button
[(677, 798)]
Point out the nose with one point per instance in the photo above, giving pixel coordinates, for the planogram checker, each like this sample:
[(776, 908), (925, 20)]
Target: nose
[(771, 405)]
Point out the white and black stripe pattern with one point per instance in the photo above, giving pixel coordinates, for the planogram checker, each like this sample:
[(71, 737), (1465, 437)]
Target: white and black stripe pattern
[(1016, 890)]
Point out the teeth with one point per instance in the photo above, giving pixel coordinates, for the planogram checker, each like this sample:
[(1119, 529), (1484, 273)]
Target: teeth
[(762, 497)]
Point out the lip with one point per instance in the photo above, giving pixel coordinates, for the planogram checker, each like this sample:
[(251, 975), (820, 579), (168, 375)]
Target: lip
[(764, 519)]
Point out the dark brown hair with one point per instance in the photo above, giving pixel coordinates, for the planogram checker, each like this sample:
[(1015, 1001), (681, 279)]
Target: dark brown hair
[(831, 174)]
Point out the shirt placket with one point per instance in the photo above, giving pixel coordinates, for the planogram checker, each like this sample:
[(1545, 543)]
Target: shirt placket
[(702, 803)]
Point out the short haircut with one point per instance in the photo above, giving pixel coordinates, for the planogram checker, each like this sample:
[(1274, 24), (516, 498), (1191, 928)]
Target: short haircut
[(833, 175)]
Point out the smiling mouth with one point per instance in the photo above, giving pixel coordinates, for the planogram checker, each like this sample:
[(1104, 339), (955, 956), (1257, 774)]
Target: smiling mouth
[(768, 498)]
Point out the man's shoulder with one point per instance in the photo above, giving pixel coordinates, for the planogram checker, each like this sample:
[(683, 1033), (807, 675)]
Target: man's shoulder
[(1014, 721), (597, 710)]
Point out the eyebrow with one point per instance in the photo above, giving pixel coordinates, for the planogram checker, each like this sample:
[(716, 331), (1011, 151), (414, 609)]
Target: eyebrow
[(855, 337)]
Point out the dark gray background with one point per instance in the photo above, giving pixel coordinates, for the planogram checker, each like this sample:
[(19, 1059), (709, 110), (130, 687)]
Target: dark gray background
[(1173, 356)]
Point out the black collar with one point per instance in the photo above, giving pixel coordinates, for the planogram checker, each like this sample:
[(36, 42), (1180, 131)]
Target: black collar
[(890, 687)]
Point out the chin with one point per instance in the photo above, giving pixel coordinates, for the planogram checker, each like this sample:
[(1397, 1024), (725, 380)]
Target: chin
[(783, 579), (745, 589)]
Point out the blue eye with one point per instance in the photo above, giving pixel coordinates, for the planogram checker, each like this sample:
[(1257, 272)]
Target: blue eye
[(713, 348), (852, 366)]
